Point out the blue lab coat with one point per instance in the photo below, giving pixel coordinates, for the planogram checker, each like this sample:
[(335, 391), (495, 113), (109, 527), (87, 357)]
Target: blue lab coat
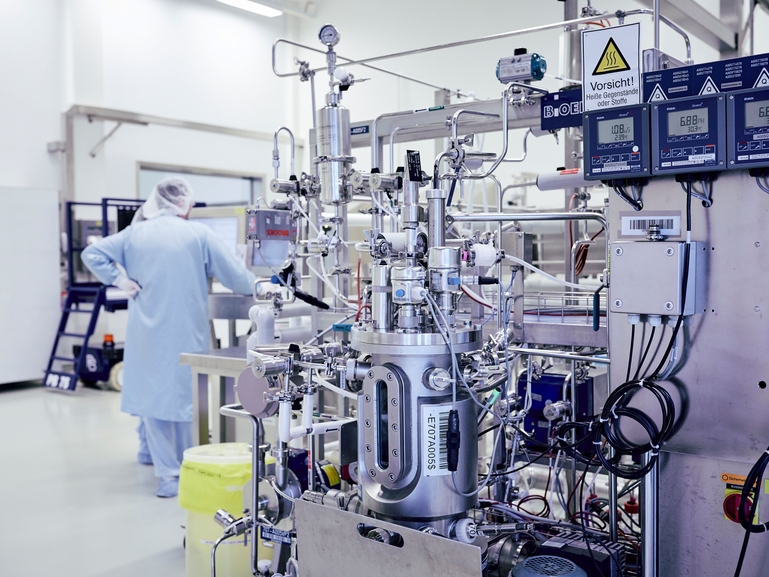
[(171, 259)]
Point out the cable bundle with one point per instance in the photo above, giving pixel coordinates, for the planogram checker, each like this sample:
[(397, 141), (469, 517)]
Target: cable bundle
[(607, 427)]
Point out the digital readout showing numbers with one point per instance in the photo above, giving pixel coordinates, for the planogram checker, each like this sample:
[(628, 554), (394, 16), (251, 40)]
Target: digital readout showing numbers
[(687, 122), (619, 130), (757, 114)]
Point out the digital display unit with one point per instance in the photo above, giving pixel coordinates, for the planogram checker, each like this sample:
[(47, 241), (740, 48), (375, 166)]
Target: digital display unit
[(748, 122), (618, 130), (616, 143), (687, 122), (689, 135)]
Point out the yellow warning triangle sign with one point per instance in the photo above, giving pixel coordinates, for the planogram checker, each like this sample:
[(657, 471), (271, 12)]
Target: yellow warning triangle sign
[(611, 60)]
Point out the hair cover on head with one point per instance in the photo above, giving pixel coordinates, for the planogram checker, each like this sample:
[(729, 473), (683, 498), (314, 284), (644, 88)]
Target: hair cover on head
[(171, 196)]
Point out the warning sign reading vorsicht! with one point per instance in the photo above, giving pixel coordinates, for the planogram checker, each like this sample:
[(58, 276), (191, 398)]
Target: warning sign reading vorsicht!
[(611, 67)]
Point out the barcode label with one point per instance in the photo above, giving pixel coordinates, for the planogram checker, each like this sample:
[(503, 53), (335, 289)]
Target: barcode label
[(638, 226), (435, 427)]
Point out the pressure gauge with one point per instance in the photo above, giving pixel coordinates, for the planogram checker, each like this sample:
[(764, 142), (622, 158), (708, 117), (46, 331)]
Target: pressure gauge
[(329, 35)]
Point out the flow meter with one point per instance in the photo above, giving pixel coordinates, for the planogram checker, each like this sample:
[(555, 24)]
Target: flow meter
[(689, 135), (748, 122), (617, 143)]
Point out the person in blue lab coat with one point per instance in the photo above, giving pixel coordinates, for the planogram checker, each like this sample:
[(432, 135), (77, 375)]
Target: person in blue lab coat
[(163, 261)]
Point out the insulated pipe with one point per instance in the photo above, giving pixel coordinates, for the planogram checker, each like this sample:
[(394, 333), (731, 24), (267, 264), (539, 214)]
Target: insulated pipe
[(436, 217), (264, 322), (381, 304), (528, 216), (294, 334), (567, 178)]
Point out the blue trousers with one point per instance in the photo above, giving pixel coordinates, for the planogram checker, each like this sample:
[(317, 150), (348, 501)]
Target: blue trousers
[(165, 442)]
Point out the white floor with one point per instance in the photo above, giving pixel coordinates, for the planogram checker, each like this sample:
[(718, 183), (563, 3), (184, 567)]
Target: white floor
[(73, 499)]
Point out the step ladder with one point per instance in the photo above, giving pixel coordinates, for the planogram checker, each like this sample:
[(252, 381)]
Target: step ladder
[(94, 297)]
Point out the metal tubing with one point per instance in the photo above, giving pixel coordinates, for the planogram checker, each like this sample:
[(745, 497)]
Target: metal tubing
[(650, 521), (672, 25), (657, 24), (559, 355), (257, 469), (392, 146), (99, 145), (528, 217), (375, 138), (500, 36), (276, 151), (458, 113), (613, 503), (505, 135), (348, 62)]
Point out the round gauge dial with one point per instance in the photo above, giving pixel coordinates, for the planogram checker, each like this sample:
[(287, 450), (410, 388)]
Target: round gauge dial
[(329, 35)]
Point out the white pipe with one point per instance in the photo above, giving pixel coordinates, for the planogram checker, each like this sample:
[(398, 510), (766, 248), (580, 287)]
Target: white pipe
[(307, 407), (531, 267), (294, 334), (264, 324), (284, 421), (337, 390), (329, 426), (287, 433)]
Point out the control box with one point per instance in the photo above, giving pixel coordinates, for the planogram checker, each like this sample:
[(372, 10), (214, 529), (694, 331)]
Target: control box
[(689, 135), (267, 224), (617, 143), (747, 113), (646, 278)]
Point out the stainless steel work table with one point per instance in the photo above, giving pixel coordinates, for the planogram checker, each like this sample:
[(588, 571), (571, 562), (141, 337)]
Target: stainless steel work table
[(226, 364)]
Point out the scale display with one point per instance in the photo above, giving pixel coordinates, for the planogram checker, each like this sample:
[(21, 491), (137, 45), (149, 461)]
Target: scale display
[(617, 143), (689, 135), (748, 121)]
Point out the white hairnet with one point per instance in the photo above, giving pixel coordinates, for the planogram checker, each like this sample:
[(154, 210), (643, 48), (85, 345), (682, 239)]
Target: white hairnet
[(171, 196)]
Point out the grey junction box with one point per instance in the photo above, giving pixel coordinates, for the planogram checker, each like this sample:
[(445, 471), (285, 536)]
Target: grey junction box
[(647, 277)]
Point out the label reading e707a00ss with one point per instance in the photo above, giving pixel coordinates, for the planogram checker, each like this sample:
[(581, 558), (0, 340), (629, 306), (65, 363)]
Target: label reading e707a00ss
[(435, 425)]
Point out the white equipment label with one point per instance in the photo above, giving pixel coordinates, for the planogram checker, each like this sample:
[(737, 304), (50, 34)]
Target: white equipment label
[(435, 426), (611, 67), (670, 224)]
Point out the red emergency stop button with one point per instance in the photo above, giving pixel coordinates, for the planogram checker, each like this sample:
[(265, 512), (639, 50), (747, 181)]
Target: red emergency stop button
[(732, 507)]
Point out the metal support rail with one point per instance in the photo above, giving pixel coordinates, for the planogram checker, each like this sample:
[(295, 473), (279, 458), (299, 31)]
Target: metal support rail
[(527, 217)]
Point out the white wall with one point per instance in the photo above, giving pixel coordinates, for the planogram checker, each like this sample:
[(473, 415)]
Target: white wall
[(195, 60), (31, 99)]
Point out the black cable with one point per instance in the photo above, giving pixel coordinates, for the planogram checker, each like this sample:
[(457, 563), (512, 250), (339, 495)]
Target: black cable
[(630, 357), (684, 284), (451, 190), (527, 464), (607, 427), (646, 352), (582, 524), (752, 480), (644, 373), (487, 430)]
